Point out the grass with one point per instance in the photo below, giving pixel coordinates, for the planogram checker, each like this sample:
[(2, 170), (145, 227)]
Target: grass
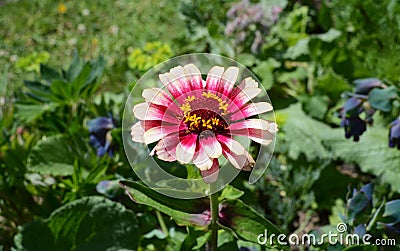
[(111, 28)]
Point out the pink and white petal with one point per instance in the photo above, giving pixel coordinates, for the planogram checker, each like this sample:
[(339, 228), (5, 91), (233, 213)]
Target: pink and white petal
[(168, 80), (243, 97), (211, 175), (147, 111), (156, 133), (260, 136), (251, 110), (137, 132), (228, 80), (250, 123), (231, 144), (243, 162), (201, 160), (211, 145), (186, 148), (157, 96), (214, 78), (180, 78), (194, 75), (273, 127), (166, 148), (148, 124), (246, 83)]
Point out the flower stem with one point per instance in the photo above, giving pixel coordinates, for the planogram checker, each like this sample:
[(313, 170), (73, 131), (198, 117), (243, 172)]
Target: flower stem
[(214, 216), (162, 223)]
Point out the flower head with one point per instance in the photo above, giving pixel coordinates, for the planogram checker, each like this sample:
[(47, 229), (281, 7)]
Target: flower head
[(394, 134), (195, 120), (100, 135), (353, 125)]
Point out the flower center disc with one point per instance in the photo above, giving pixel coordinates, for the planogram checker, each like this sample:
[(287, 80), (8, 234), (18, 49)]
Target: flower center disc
[(204, 112)]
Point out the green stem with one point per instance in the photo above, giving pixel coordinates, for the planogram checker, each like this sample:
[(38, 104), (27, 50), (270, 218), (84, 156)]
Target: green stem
[(162, 223), (214, 216)]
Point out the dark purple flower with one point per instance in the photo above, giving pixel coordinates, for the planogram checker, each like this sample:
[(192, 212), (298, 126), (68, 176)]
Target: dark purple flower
[(365, 85), (100, 135), (354, 127), (394, 134)]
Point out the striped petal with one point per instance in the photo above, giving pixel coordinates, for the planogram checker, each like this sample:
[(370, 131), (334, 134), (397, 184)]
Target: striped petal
[(213, 78), (211, 175), (186, 148), (193, 74), (147, 111), (263, 137), (166, 148), (251, 110), (137, 132), (211, 145), (228, 80), (157, 96), (156, 133), (243, 161), (243, 97), (250, 123), (201, 160), (231, 144)]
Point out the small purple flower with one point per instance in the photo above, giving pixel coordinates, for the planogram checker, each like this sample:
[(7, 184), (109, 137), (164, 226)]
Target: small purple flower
[(365, 85), (353, 125), (100, 135), (394, 134)]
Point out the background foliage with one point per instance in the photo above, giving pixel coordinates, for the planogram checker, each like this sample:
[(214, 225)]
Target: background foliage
[(67, 68)]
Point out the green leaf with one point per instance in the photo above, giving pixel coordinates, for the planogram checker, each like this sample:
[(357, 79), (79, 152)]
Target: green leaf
[(317, 140), (184, 212), (381, 99), (361, 248), (371, 153), (90, 223), (75, 67), (49, 74), (297, 50), (332, 84), (315, 106), (31, 112), (230, 193), (357, 204), (52, 156), (243, 221), (329, 36), (265, 71), (301, 130)]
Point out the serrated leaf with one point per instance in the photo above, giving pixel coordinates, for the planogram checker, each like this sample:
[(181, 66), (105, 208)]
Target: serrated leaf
[(265, 69), (297, 50), (242, 220), (90, 223), (301, 130), (184, 212), (371, 153), (329, 36), (381, 99), (332, 84), (52, 156)]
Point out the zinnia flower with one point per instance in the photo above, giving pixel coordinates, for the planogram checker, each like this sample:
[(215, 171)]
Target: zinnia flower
[(195, 120)]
